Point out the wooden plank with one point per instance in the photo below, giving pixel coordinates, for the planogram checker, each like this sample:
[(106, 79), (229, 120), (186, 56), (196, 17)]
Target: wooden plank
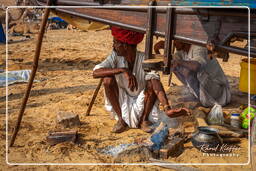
[(185, 25), (188, 26)]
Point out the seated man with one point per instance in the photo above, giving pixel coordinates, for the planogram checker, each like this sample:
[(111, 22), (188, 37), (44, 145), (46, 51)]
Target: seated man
[(130, 92), (203, 76)]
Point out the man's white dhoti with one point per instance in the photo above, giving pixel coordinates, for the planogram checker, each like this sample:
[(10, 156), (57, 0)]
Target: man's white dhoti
[(131, 103)]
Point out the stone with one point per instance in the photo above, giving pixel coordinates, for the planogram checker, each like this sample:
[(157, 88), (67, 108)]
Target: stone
[(135, 153), (191, 105), (201, 122), (198, 114), (68, 119), (176, 131), (189, 127), (54, 138)]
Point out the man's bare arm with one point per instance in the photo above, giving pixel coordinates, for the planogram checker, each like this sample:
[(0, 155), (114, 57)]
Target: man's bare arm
[(190, 65), (107, 72)]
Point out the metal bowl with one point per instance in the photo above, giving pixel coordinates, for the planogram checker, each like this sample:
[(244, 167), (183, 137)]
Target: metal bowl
[(206, 139)]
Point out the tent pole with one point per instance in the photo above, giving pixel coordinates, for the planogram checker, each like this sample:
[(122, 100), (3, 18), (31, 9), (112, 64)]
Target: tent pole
[(33, 73)]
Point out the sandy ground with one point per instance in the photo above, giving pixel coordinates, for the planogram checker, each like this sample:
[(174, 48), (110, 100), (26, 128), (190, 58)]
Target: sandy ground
[(66, 84)]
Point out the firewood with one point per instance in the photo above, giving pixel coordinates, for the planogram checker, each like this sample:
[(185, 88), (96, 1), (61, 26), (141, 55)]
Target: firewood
[(230, 134), (235, 131), (231, 140)]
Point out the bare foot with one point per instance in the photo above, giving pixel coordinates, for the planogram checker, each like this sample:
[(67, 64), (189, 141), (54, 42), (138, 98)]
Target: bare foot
[(145, 126), (120, 127), (177, 112)]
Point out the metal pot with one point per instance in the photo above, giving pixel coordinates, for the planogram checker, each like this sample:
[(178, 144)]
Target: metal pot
[(206, 139)]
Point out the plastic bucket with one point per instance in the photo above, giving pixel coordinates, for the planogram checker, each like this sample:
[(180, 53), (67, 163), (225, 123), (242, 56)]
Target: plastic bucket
[(243, 83)]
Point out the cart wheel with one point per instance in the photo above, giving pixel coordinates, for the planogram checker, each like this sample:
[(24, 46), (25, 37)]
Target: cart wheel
[(253, 145)]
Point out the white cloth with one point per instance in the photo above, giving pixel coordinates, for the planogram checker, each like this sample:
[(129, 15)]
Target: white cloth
[(13, 77), (212, 82), (131, 103)]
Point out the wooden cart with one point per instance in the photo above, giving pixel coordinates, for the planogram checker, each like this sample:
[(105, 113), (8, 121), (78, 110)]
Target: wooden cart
[(212, 27)]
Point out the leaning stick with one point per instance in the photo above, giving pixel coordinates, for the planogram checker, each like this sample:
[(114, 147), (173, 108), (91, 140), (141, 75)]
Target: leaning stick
[(95, 93), (33, 73)]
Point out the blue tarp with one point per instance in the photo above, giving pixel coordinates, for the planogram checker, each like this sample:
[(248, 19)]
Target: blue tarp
[(2, 35), (249, 3), (56, 19)]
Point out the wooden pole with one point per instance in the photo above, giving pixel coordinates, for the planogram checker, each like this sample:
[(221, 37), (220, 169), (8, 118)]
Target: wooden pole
[(171, 69), (149, 30), (33, 73), (94, 97)]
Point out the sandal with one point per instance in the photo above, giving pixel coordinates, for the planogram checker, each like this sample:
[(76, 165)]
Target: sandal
[(119, 127)]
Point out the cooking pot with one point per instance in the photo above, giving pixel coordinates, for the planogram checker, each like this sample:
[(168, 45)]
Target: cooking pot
[(206, 139)]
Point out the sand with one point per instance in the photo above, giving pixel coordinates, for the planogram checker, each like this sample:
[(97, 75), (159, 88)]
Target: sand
[(66, 84)]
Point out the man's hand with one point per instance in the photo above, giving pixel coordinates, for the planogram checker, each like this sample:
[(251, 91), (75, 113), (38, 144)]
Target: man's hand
[(159, 45), (131, 79), (177, 112), (190, 65)]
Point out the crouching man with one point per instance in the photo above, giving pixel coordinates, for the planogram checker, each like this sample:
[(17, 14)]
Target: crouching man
[(131, 94), (204, 77)]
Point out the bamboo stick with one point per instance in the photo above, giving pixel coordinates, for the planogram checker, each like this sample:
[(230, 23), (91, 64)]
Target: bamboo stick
[(94, 97), (33, 73)]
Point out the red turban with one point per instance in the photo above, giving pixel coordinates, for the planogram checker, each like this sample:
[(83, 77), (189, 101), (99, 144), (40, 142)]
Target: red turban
[(127, 36)]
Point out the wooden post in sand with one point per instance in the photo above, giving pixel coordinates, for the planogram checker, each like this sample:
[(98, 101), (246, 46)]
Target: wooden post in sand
[(33, 73), (95, 93)]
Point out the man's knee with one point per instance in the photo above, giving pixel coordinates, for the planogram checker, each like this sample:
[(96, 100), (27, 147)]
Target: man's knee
[(149, 88), (108, 82)]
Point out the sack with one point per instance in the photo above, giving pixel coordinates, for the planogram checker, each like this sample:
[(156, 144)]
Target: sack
[(215, 116)]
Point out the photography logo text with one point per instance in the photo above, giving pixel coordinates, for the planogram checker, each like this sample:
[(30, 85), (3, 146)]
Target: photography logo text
[(220, 150)]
